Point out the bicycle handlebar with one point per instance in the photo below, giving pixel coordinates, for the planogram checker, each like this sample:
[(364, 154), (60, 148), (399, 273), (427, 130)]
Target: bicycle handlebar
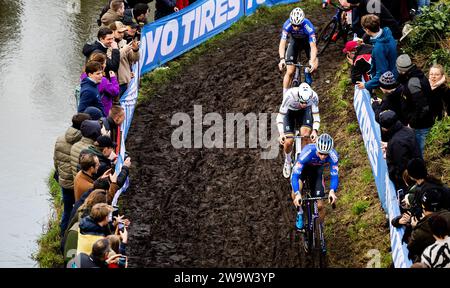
[(315, 198)]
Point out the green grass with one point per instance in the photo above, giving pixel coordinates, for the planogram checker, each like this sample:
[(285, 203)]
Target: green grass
[(352, 128), (48, 255), (367, 176), (360, 207)]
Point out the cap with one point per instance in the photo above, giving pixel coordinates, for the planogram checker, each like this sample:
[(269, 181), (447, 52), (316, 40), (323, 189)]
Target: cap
[(120, 26), (105, 142), (350, 46), (388, 118), (431, 199), (404, 63), (417, 169)]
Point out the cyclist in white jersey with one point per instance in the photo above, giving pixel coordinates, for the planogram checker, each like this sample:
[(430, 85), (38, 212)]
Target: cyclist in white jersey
[(300, 107)]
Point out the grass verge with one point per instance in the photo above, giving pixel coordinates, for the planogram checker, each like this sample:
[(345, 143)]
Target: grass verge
[(48, 254), (358, 220)]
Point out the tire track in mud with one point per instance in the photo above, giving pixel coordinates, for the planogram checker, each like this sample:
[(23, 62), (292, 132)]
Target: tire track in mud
[(215, 207)]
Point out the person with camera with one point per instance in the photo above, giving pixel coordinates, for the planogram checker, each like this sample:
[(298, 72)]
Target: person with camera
[(422, 235), (111, 125)]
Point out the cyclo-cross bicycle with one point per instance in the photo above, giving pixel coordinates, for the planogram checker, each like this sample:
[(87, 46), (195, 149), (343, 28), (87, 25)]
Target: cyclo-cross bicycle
[(337, 28), (311, 238), (299, 69)]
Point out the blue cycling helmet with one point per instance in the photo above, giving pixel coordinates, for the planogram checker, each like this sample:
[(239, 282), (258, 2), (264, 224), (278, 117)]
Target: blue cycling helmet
[(324, 144)]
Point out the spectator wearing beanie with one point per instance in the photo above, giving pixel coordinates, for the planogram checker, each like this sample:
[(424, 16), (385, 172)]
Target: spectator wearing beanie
[(401, 147), (94, 112), (61, 159), (437, 255), (360, 57), (90, 131), (422, 236), (416, 97), (392, 93)]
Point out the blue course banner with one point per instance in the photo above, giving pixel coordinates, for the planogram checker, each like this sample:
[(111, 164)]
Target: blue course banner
[(173, 35), (252, 5), (370, 131)]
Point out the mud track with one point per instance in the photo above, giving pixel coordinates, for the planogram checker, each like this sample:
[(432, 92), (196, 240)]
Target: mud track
[(216, 207)]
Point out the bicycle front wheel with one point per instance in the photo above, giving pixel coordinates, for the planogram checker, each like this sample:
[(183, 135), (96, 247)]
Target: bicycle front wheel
[(319, 245), (326, 36)]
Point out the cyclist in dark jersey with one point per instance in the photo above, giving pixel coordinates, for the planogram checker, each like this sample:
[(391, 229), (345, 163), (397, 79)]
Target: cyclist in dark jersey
[(302, 36)]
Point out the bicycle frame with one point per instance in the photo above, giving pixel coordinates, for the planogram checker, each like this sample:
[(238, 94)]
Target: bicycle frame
[(311, 211), (297, 79), (338, 30)]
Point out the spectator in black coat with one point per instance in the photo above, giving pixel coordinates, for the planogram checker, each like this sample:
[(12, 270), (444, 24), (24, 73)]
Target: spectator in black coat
[(164, 8), (401, 147), (422, 236), (440, 92), (136, 15), (105, 40), (364, 7), (392, 93), (416, 95)]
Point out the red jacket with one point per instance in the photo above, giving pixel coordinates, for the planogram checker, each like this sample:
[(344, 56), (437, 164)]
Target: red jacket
[(182, 4)]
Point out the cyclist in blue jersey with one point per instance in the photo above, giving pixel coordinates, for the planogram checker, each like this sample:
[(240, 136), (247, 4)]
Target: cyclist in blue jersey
[(302, 36), (310, 165)]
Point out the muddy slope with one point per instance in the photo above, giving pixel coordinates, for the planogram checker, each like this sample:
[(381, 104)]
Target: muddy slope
[(216, 207)]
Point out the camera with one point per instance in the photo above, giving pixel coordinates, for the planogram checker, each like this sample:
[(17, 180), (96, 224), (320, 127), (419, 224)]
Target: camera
[(122, 261), (126, 155)]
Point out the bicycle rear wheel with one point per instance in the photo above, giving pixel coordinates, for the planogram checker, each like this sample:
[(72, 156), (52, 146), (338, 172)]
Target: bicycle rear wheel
[(326, 35)]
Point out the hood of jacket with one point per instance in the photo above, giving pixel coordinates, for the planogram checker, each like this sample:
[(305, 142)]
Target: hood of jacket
[(88, 226), (73, 135), (88, 49), (384, 37), (90, 129)]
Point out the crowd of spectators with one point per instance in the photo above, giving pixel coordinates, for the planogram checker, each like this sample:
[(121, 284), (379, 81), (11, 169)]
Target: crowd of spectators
[(406, 109)]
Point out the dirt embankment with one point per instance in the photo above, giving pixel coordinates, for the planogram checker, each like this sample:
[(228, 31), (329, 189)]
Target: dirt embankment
[(216, 207)]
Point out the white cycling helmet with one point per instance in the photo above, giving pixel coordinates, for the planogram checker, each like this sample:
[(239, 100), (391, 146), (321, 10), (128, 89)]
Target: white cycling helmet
[(304, 93), (297, 16), (324, 144)]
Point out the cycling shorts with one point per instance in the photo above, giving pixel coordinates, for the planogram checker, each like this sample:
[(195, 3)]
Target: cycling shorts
[(315, 176), (299, 118), (295, 46)]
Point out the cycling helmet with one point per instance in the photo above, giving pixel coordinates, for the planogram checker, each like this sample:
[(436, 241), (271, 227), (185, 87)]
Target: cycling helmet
[(297, 16), (324, 144), (304, 92)]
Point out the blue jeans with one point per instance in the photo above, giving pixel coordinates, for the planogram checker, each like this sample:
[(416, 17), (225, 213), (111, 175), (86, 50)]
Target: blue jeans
[(421, 135), (421, 3), (68, 198)]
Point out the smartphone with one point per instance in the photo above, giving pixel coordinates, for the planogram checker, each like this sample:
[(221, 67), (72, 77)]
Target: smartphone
[(121, 226)]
